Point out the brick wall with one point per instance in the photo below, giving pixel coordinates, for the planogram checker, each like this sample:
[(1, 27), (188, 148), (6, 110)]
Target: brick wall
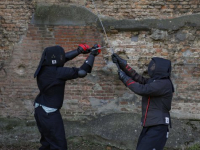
[(135, 9), (19, 89), (184, 55), (15, 15), (21, 46)]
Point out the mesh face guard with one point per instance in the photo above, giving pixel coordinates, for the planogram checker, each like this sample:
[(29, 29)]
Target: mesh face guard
[(151, 68)]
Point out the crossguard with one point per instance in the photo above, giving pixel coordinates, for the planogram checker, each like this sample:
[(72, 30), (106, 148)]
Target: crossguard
[(96, 48)]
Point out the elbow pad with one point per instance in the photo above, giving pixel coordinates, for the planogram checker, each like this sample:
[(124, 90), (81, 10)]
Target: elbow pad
[(82, 73), (70, 55), (86, 67), (90, 61)]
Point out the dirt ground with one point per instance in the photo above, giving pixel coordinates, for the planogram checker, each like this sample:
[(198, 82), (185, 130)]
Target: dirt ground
[(85, 145)]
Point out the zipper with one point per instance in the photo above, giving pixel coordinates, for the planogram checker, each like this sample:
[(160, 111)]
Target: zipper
[(146, 111)]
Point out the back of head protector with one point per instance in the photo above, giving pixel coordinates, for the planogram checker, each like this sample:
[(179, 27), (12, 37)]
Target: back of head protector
[(51, 56)]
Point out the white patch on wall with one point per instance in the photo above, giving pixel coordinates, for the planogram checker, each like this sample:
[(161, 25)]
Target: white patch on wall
[(97, 87), (187, 53)]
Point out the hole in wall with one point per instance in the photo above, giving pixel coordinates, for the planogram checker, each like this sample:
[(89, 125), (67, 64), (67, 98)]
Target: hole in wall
[(21, 69)]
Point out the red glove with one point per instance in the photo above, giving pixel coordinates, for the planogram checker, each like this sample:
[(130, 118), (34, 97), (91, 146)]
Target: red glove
[(83, 48)]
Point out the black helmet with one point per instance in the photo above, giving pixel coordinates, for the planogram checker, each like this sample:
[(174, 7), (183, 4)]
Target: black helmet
[(159, 68), (54, 56), (51, 56)]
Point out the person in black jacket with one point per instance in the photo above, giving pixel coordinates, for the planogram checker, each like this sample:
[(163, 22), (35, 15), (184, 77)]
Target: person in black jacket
[(51, 78), (156, 92)]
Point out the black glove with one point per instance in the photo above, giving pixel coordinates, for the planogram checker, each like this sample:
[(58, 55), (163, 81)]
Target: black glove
[(123, 77), (83, 49), (97, 51), (116, 59)]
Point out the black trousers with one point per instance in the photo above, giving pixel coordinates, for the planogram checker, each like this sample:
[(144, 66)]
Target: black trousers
[(153, 138), (51, 128)]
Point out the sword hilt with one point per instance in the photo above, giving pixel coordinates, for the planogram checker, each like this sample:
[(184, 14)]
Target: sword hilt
[(118, 67), (97, 48)]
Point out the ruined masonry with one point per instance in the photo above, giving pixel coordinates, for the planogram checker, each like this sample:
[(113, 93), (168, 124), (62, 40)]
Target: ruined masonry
[(99, 108)]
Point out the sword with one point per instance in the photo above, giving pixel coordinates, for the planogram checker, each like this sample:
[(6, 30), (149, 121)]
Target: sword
[(98, 48), (104, 33)]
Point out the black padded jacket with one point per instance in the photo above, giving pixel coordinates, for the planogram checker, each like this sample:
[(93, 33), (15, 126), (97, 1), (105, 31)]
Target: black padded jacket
[(51, 79), (156, 92)]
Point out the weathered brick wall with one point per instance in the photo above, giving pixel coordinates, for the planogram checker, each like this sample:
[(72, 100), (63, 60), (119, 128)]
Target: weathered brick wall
[(22, 44), (142, 9), (15, 16), (184, 54), (135, 9), (19, 88), (101, 93), (14, 19)]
